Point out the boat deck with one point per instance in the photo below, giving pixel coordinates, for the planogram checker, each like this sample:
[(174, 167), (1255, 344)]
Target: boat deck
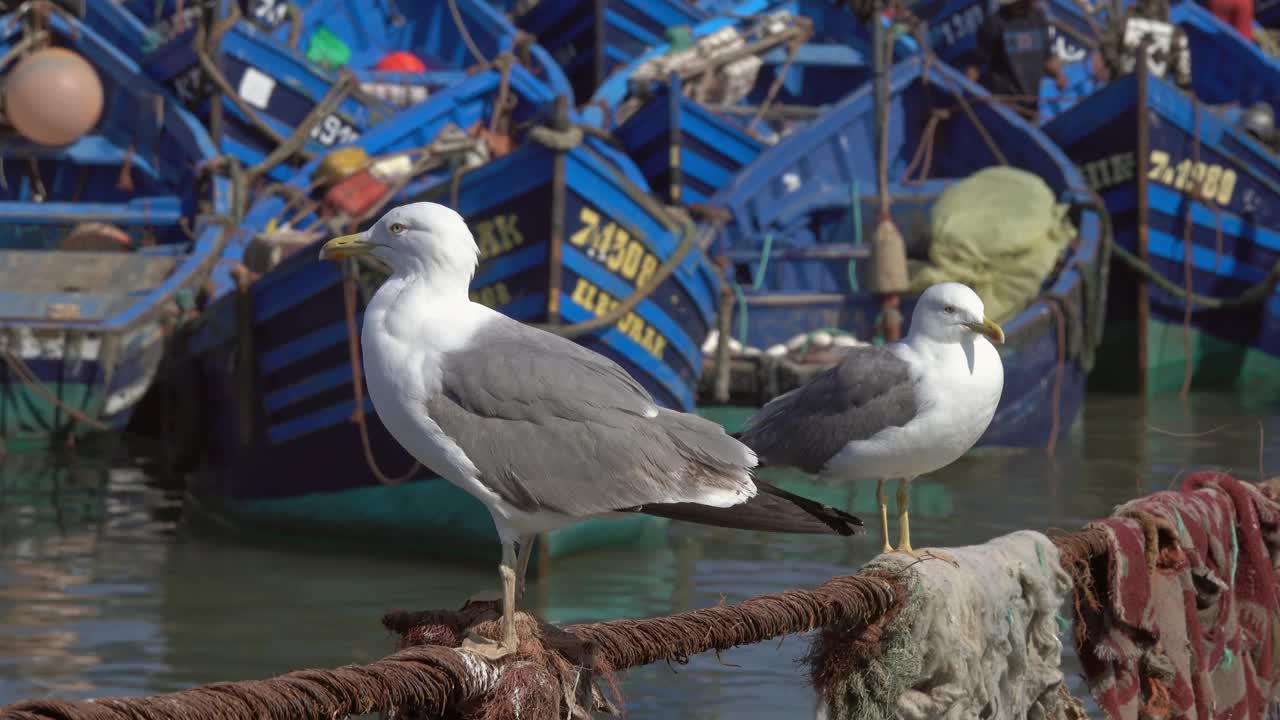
[(80, 285)]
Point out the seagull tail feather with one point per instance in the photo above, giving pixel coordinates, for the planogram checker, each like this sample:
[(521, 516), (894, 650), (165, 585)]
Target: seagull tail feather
[(760, 461), (772, 509)]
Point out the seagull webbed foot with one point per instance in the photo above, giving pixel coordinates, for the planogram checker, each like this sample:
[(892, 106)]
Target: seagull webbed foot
[(488, 647)]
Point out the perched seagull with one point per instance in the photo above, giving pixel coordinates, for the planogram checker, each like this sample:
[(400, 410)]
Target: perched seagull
[(892, 411), (542, 430)]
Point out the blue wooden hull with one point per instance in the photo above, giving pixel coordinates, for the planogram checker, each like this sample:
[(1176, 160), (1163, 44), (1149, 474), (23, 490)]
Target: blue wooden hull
[(685, 152), (279, 88), (373, 28), (688, 152), (590, 38), (792, 217), (91, 341), (275, 358), (1234, 240)]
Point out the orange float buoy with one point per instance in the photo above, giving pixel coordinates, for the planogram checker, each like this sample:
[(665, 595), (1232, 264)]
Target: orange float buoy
[(401, 61), (53, 96)]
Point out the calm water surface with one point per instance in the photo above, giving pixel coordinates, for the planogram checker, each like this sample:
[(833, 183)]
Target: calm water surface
[(104, 589)]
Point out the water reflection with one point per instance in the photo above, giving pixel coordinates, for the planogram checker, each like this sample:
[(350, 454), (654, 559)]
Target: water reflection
[(103, 590)]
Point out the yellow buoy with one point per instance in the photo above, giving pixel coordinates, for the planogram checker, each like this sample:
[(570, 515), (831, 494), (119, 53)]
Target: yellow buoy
[(342, 163), (53, 97)]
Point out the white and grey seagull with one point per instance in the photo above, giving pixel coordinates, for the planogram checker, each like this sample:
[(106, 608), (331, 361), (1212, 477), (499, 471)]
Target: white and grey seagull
[(892, 411), (542, 430)]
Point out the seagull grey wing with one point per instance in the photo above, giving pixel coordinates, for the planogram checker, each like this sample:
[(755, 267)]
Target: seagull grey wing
[(870, 390), (552, 426)]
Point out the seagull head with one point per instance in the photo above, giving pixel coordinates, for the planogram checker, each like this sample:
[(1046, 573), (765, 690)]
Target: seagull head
[(951, 313), (424, 240)]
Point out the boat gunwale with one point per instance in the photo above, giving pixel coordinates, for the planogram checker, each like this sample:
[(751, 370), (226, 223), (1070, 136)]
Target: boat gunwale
[(204, 250)]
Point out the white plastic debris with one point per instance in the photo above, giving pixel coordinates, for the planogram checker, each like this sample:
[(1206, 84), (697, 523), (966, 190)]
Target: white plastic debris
[(391, 168), (398, 94), (776, 351), (709, 345)]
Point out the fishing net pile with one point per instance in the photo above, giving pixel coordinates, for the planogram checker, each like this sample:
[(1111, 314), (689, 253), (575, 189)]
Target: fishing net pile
[(979, 640), (1000, 231), (1181, 619)]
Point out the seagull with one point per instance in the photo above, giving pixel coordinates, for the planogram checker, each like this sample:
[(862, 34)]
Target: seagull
[(541, 430), (899, 410)]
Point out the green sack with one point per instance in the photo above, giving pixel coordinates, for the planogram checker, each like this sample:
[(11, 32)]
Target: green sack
[(327, 49), (1000, 231)]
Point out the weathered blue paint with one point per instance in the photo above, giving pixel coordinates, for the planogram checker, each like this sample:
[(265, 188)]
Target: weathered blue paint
[(101, 361)]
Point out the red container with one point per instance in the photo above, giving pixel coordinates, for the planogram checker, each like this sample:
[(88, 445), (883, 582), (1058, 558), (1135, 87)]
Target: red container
[(355, 195)]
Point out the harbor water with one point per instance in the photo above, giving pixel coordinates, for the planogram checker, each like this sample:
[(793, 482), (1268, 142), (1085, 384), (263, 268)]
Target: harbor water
[(105, 588)]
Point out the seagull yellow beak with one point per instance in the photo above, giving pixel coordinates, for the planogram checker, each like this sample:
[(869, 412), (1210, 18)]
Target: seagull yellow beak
[(345, 247), (989, 328)]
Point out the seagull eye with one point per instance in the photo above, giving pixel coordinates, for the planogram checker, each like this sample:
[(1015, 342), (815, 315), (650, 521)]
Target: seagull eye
[(950, 309), (397, 228)]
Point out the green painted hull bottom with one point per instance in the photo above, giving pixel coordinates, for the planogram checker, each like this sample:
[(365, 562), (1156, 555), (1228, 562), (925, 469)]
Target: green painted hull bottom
[(30, 422), (431, 517), (1215, 364)]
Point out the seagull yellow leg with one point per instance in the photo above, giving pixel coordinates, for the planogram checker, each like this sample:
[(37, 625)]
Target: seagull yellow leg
[(496, 649), (904, 539), (522, 568), (904, 524), (884, 515)]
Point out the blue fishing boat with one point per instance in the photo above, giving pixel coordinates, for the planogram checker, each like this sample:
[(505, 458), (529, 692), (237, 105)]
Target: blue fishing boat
[(1196, 211), (799, 212), (287, 91), (693, 118), (565, 238), (589, 38), (108, 235), (446, 36), (953, 28)]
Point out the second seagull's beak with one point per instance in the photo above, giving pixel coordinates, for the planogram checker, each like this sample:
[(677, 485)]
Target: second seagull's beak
[(989, 328), (345, 247)]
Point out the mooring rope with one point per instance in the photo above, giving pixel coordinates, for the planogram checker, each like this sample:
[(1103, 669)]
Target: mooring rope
[(435, 679)]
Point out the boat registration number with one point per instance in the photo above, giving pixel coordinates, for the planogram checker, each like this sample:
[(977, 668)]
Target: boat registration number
[(613, 247), (333, 130), (1216, 182)]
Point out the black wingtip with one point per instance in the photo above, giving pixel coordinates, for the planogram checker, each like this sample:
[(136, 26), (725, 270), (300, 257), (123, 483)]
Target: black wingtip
[(838, 520), (771, 510)]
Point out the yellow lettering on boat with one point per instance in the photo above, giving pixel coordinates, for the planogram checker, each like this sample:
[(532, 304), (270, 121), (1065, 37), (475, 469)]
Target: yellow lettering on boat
[(1109, 171), (630, 324), (590, 220), (497, 235), (494, 295), (614, 247), (1216, 183)]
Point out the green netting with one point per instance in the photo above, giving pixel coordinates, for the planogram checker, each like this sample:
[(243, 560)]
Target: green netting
[(1000, 231)]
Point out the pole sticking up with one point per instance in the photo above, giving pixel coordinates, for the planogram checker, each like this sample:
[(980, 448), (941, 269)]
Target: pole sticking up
[(888, 250)]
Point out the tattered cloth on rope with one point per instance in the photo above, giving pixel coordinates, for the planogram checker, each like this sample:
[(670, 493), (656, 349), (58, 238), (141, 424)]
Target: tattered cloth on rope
[(1181, 620), (978, 640)]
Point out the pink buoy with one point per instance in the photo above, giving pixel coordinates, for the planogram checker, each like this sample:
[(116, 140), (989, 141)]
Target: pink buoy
[(53, 97)]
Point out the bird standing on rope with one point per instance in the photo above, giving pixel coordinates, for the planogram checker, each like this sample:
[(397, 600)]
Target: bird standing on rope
[(540, 429), (893, 411)]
